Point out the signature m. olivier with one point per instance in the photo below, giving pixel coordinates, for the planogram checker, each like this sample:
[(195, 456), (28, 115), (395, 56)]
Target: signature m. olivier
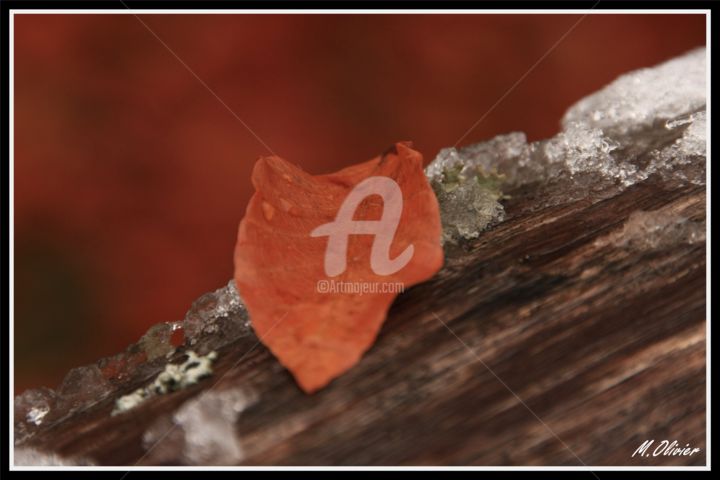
[(664, 448)]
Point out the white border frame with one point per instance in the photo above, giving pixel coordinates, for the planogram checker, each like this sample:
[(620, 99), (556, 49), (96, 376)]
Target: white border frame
[(20, 11)]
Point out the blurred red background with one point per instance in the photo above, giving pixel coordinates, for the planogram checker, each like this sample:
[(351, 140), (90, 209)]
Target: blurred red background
[(131, 177)]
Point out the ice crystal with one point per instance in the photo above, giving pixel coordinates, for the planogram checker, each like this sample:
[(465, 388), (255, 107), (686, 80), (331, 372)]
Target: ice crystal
[(215, 320), (469, 183), (32, 405), (156, 342), (688, 151), (502, 153), (82, 387), (31, 409), (579, 149), (650, 122), (218, 317), (640, 98), (469, 202)]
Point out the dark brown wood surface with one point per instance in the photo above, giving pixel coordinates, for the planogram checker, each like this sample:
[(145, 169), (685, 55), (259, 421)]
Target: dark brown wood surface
[(539, 343)]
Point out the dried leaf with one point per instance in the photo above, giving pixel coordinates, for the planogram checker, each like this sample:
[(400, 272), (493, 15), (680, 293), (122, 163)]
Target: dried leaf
[(278, 263)]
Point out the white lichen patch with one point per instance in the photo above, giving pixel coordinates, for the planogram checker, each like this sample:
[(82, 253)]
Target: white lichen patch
[(132, 400), (209, 426), (174, 377), (204, 429)]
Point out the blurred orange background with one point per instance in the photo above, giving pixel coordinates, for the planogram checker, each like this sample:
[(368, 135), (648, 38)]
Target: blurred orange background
[(131, 177)]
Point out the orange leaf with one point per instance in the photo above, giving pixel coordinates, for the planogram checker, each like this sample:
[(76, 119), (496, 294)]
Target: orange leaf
[(278, 261)]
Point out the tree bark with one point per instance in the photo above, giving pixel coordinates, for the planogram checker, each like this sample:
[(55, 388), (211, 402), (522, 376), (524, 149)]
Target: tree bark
[(542, 342)]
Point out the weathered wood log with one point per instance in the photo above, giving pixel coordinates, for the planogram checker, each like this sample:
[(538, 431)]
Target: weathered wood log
[(539, 343)]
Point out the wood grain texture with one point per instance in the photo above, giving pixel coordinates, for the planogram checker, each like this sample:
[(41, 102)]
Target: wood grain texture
[(539, 343)]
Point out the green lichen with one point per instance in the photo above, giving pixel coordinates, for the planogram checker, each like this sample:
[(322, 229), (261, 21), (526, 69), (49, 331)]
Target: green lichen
[(493, 182), (469, 201)]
